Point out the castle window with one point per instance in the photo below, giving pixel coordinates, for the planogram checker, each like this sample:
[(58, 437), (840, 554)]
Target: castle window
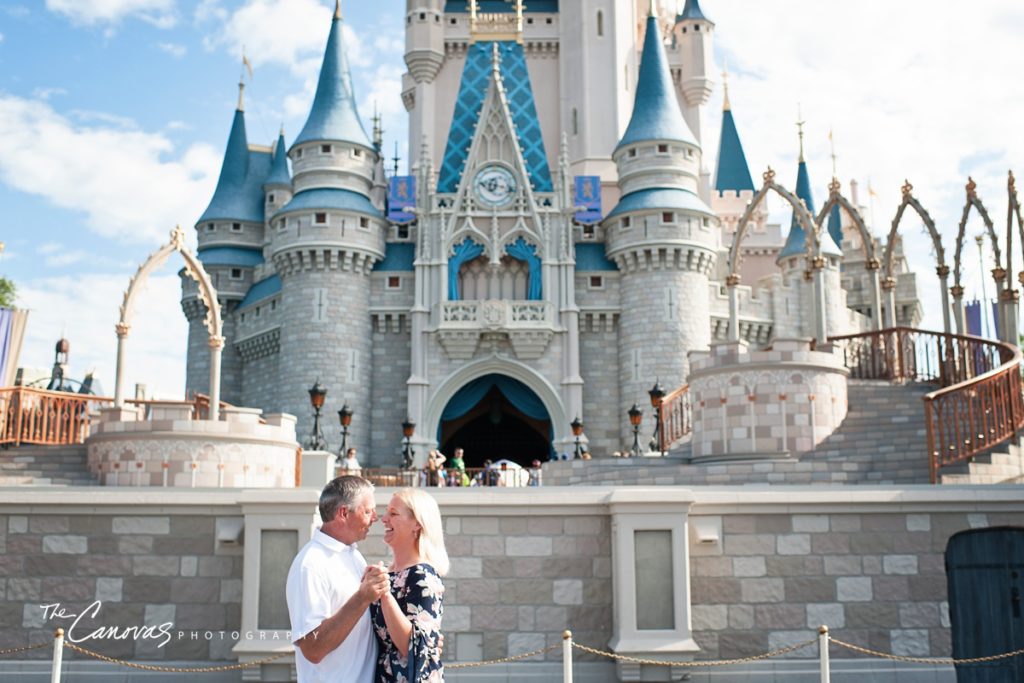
[(402, 232), (257, 311), (705, 222), (595, 282), (298, 153), (236, 273), (689, 152), (273, 305), (684, 29), (325, 149), (364, 222), (668, 217), (423, 16), (529, 20), (210, 227), (588, 232), (549, 21), (453, 22), (357, 152), (696, 27), (662, 149), (270, 197), (243, 317), (437, 18), (320, 218), (632, 152), (600, 23), (236, 227), (575, 121), (626, 221), (394, 282)]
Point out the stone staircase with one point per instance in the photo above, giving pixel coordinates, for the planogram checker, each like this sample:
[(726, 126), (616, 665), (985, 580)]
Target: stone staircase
[(45, 466), (883, 440)]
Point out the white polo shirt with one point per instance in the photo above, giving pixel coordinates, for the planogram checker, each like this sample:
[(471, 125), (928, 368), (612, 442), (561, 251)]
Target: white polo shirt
[(323, 576)]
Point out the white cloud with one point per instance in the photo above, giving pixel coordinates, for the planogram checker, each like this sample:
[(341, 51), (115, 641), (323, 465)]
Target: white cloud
[(85, 309), (173, 49), (48, 93), (908, 96), (131, 184), (160, 13)]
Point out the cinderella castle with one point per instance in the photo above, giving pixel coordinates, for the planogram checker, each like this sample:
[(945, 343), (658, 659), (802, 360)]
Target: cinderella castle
[(560, 244)]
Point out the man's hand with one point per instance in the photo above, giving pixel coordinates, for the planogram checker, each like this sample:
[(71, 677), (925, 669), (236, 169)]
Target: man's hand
[(375, 583)]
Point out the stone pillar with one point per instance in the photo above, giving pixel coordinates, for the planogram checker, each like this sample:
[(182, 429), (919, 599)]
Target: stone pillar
[(732, 282), (216, 348), (820, 315), (999, 275), (889, 285), (1010, 327), (958, 308), (876, 292), (122, 329), (943, 273)]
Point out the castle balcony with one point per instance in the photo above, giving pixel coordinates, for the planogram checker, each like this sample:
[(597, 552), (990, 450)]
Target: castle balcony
[(529, 326)]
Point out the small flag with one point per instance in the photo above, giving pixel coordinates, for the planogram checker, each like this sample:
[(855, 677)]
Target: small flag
[(588, 197), (246, 63), (401, 196)]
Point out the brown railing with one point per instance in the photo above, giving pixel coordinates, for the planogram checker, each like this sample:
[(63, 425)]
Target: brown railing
[(676, 416), (48, 418), (470, 477), (57, 418), (979, 403)]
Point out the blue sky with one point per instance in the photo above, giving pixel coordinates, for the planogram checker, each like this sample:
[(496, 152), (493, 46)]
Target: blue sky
[(114, 115)]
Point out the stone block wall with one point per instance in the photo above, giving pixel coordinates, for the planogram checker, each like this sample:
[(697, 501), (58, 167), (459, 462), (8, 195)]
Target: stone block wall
[(383, 419), (141, 569)]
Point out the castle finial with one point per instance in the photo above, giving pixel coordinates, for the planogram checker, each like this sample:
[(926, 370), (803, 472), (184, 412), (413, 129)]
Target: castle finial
[(832, 144), (495, 60), (726, 106), (800, 128), (337, 9), (653, 9), (282, 129), (241, 96)]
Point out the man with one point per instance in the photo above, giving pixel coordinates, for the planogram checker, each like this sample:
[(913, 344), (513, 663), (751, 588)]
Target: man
[(330, 589)]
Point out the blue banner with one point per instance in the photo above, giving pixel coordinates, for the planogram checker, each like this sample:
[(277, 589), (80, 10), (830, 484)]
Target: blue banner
[(401, 195), (972, 312), (588, 195)]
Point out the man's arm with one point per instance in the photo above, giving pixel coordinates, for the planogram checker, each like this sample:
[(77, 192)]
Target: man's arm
[(333, 630)]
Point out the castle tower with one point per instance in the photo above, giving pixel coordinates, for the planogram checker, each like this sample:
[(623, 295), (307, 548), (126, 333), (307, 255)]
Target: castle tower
[(324, 242), (695, 54), (661, 235), (230, 235), (797, 272), (424, 55)]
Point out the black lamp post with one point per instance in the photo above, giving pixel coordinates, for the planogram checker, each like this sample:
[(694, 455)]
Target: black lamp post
[(636, 416), (345, 417), (317, 394), (577, 431), (657, 395), (408, 429)]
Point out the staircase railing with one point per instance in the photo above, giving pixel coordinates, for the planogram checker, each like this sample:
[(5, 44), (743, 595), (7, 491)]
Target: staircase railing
[(979, 403), (676, 416)]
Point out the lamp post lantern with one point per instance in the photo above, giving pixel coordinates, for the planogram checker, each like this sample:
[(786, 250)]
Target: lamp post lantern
[(636, 416), (577, 431), (317, 394), (657, 394), (345, 417), (408, 429)]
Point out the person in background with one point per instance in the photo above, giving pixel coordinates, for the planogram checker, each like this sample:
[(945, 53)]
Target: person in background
[(349, 464), (434, 468), (535, 473)]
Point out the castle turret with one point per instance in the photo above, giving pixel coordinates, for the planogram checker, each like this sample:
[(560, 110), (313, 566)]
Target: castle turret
[(278, 186), (693, 34), (661, 235), (324, 243), (230, 245), (424, 56)]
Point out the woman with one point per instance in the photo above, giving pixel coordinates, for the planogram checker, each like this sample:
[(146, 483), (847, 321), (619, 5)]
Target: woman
[(407, 620)]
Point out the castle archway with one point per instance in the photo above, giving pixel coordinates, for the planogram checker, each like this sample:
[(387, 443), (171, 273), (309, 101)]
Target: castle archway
[(481, 392)]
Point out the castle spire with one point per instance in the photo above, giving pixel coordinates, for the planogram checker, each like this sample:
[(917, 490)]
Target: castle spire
[(725, 89), (691, 11), (279, 167), (241, 96), (733, 173), (800, 128), (656, 114), (229, 199), (334, 115)]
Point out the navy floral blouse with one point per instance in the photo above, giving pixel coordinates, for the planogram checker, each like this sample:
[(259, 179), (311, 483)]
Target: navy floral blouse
[(419, 592)]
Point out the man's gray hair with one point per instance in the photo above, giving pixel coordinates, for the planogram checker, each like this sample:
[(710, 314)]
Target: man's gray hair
[(342, 492)]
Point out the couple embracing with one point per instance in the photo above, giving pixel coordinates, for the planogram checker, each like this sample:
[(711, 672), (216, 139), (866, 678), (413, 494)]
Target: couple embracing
[(354, 623)]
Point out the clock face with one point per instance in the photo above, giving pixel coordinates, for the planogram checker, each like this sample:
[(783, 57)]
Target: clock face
[(495, 186)]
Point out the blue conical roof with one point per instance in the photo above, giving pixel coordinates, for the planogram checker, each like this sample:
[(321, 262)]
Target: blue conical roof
[(733, 172), (334, 115), (238, 195), (691, 11), (656, 114), (279, 169), (796, 241), (835, 224)]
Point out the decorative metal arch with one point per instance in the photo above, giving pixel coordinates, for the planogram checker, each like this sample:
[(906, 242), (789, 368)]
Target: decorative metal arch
[(942, 270), (207, 294), (972, 200), (806, 221), (871, 262)]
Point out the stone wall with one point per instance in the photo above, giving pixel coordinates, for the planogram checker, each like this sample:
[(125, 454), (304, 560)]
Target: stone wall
[(383, 419)]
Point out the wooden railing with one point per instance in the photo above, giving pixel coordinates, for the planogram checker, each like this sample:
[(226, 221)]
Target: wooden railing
[(676, 416), (979, 403), (48, 418), (57, 418), (470, 477)]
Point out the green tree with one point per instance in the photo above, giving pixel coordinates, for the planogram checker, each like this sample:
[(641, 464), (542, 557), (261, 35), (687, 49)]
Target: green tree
[(7, 293)]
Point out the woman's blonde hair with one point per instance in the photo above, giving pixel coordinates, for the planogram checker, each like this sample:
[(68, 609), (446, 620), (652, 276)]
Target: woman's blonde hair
[(431, 541)]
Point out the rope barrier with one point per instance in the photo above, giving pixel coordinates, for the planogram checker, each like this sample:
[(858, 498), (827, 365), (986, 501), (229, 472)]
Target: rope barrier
[(702, 663), (925, 660), (526, 655)]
